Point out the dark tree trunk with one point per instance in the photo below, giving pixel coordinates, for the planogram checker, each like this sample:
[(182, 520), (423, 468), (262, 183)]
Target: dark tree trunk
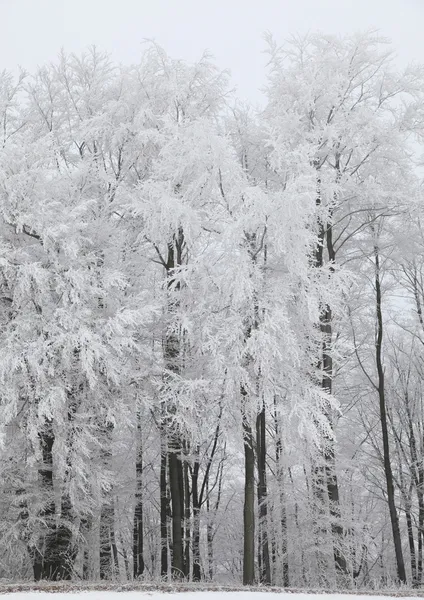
[(411, 543), (420, 496), (54, 557), (86, 565), (86, 526), (284, 549), (138, 540), (418, 469), (329, 454), (248, 444), (325, 236), (176, 485), (384, 425), (209, 535), (406, 493), (249, 504), (318, 467), (37, 563), (66, 549), (420, 530), (105, 544), (417, 472), (196, 521), (164, 509), (264, 559), (187, 520), (172, 356)]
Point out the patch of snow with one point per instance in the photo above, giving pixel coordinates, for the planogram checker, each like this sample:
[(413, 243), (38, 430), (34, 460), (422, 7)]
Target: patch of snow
[(188, 595)]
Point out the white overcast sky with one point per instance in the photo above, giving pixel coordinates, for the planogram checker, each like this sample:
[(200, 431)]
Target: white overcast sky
[(33, 31)]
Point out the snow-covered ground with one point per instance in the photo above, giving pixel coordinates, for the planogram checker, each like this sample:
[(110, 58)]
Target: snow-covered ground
[(216, 595)]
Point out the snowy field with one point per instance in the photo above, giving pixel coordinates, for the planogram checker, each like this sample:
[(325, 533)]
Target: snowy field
[(189, 595)]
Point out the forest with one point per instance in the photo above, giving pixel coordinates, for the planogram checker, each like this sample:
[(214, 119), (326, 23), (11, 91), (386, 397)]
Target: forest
[(211, 319)]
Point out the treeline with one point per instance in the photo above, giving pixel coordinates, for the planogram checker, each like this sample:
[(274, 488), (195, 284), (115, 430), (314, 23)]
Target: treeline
[(211, 321)]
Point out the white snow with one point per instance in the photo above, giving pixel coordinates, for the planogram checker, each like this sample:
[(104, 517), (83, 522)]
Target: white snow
[(216, 595)]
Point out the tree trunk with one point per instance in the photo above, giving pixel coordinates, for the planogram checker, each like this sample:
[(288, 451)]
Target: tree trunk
[(209, 541), (394, 519), (418, 469), (176, 484), (417, 473), (411, 543), (209, 535), (54, 557), (172, 356), (87, 562), (196, 521), (264, 558), (329, 453), (420, 530), (164, 508), (138, 549), (249, 504), (325, 235), (187, 520)]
